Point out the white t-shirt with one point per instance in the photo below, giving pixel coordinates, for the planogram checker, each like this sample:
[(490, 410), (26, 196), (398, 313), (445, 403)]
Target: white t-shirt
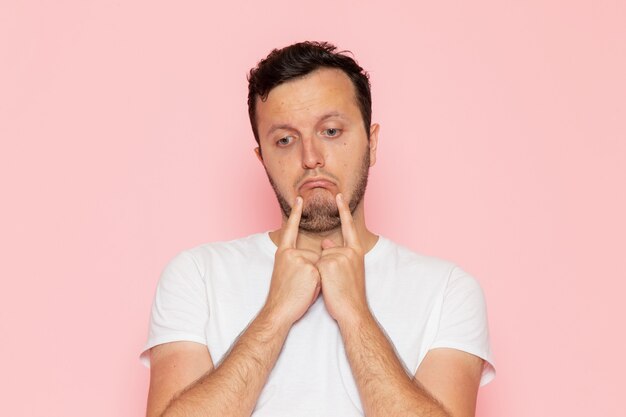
[(210, 293)]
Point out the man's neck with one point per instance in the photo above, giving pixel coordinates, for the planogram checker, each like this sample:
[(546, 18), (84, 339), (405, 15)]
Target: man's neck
[(313, 240)]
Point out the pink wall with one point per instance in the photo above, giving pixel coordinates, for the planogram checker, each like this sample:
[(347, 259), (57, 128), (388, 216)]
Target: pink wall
[(125, 140)]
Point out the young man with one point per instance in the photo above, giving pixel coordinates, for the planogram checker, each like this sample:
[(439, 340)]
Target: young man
[(321, 317)]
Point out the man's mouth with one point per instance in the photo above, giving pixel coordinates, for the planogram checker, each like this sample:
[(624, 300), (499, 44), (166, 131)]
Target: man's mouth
[(317, 183)]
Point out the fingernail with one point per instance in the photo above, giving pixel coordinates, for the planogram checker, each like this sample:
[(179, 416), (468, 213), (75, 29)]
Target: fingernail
[(340, 197), (298, 200)]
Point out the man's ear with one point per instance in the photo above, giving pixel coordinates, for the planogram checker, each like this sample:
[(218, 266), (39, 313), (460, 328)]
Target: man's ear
[(374, 129), (258, 153)]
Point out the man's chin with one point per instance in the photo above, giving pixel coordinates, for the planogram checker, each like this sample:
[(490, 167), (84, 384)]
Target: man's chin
[(317, 195), (319, 201), (320, 215), (319, 224)]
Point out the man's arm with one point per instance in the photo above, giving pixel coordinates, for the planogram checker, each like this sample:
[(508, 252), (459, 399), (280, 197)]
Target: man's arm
[(446, 383), (232, 388), (453, 377), (384, 385), (174, 366)]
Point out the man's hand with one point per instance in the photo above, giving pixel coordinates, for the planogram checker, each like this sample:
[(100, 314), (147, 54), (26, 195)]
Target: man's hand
[(295, 281), (342, 270)]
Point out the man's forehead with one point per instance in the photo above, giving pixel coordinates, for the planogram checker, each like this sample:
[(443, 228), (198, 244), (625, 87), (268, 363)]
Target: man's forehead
[(320, 94), (329, 79)]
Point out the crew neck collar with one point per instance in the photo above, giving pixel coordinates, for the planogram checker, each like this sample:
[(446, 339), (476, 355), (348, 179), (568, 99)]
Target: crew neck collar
[(379, 247)]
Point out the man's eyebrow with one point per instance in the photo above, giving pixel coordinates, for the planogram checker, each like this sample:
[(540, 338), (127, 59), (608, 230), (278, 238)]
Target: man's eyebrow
[(330, 115), (278, 127), (287, 126)]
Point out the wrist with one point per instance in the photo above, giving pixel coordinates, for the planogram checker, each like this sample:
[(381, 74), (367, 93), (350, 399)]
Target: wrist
[(355, 319), (275, 319)]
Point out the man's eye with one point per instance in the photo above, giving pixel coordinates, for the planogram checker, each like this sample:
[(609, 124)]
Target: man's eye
[(284, 141), (331, 132)]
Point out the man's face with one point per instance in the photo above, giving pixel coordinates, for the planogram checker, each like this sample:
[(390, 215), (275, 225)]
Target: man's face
[(313, 144)]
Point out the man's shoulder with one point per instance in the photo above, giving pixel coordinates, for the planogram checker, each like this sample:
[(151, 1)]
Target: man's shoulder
[(256, 244), (407, 257), (407, 265)]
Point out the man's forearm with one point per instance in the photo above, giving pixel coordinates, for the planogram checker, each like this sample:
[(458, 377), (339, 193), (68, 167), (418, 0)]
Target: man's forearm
[(233, 387), (385, 388)]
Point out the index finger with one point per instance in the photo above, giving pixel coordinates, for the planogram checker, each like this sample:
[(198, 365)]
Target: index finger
[(290, 234), (348, 229)]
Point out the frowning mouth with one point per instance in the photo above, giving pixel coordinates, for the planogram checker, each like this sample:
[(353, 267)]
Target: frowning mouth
[(316, 183)]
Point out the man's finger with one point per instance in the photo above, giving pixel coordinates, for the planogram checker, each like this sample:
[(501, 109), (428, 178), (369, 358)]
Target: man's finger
[(309, 255), (290, 234), (348, 229)]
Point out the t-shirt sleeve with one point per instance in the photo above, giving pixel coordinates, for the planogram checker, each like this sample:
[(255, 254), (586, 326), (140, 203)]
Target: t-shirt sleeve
[(463, 324), (179, 310)]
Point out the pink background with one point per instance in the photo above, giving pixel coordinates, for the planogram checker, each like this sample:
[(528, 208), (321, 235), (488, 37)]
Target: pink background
[(125, 140)]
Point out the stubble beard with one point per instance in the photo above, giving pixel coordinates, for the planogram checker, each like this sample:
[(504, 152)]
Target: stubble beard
[(320, 214)]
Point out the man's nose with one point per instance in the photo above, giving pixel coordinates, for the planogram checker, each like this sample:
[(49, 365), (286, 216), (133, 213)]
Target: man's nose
[(312, 153)]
